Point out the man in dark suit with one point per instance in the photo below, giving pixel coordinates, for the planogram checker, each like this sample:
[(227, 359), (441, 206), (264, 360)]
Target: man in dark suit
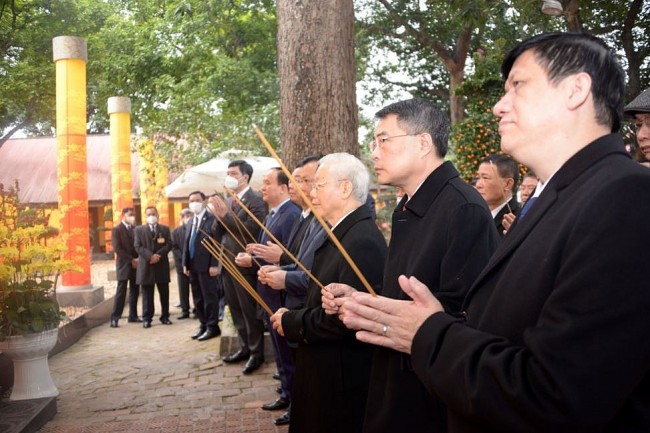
[(235, 228), (496, 181), (126, 261), (153, 243), (442, 232), (202, 268), (553, 335), (332, 368), (279, 222), (178, 239)]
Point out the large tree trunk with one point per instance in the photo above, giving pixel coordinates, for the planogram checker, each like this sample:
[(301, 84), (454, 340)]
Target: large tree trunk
[(316, 62)]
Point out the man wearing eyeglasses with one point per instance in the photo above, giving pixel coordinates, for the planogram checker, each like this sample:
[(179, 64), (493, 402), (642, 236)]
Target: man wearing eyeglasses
[(442, 232), (639, 109)]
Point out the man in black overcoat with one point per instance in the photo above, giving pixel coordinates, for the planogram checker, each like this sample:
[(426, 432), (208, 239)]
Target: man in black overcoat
[(178, 238)]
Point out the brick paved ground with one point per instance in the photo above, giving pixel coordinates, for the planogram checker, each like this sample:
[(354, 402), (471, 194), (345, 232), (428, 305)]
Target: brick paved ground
[(132, 379)]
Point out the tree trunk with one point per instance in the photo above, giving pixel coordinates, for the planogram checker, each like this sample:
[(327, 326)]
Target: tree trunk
[(456, 103), (316, 63)]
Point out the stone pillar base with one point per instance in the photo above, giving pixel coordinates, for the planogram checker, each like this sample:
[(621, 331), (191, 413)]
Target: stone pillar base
[(80, 297)]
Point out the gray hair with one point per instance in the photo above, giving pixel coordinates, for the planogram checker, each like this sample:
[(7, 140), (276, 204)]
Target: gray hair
[(346, 166)]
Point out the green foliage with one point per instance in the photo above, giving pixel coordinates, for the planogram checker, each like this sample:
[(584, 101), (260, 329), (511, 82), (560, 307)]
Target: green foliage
[(30, 263), (477, 135)]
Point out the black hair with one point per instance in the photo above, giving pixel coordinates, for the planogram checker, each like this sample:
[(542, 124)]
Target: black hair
[(417, 116), (196, 192), (244, 167), (564, 54), (506, 166), (127, 210)]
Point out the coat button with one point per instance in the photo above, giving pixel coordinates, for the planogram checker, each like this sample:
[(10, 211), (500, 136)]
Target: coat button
[(463, 316)]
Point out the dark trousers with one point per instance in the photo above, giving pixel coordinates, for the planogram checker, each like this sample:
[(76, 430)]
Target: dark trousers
[(183, 288), (206, 299), (283, 360), (148, 309), (120, 298), (243, 309)]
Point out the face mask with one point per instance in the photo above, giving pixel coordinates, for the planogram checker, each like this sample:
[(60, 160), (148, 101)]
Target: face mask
[(196, 207), (152, 219), (130, 219), (231, 182)]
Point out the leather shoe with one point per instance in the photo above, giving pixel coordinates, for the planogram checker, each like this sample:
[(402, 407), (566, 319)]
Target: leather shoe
[(114, 323), (253, 364), (134, 320), (165, 321), (208, 334), (283, 420), (238, 356), (278, 390), (184, 315), (278, 404), (276, 376), (198, 333), (146, 324)]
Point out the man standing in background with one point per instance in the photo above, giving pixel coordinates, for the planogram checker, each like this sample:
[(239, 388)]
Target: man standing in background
[(126, 262)]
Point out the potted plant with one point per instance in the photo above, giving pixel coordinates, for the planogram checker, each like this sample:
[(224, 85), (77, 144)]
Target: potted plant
[(30, 263)]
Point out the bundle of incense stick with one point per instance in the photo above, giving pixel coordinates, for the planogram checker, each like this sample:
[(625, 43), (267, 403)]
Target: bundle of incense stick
[(278, 243), (494, 169), (218, 252), (235, 238), (327, 229)]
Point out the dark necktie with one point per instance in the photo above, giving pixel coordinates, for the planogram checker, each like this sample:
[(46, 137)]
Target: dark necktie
[(195, 226), (529, 204)]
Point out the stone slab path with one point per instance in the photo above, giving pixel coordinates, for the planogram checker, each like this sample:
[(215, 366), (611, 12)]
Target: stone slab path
[(130, 379)]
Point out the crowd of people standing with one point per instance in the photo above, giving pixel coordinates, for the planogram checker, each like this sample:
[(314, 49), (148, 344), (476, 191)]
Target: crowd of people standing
[(486, 312)]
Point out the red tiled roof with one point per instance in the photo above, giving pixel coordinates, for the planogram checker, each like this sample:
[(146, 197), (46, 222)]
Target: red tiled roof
[(33, 162)]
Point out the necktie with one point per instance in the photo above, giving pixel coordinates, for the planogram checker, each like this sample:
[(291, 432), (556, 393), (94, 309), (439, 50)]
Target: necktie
[(529, 204), (195, 226)]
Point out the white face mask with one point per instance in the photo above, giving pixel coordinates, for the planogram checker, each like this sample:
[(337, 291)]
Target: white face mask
[(196, 207), (231, 182), (130, 219), (152, 219)]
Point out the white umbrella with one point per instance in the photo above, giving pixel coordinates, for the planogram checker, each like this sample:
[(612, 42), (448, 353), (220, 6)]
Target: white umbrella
[(210, 176)]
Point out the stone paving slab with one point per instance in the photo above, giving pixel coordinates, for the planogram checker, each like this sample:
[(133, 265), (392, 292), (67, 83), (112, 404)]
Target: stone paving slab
[(131, 379)]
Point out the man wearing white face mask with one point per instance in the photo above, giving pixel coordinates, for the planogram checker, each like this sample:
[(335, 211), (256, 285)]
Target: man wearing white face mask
[(126, 261), (230, 218), (202, 268), (153, 243)]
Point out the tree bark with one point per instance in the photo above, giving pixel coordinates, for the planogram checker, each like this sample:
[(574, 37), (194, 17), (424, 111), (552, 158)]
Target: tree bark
[(316, 63)]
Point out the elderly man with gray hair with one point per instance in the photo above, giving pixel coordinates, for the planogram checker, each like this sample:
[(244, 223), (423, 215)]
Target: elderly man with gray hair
[(332, 368)]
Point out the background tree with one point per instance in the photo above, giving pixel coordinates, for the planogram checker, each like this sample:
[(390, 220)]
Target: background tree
[(317, 71)]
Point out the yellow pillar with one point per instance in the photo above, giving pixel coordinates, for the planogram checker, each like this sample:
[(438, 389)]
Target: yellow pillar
[(153, 180), (119, 111), (70, 57)]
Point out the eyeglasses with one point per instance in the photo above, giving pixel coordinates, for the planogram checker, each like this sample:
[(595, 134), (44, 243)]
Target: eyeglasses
[(319, 185), (378, 142), (639, 123)]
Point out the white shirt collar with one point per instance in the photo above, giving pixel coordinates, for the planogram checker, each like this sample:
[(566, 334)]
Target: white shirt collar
[(277, 208), (240, 194)]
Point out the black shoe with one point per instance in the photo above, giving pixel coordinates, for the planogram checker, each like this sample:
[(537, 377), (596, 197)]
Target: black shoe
[(165, 321), (278, 390), (283, 420), (253, 364), (184, 315), (134, 320), (198, 333), (114, 323), (208, 334), (146, 324), (276, 376), (238, 356), (177, 305), (278, 404)]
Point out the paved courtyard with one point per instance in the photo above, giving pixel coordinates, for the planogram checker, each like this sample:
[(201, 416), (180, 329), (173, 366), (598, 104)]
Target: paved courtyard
[(130, 379)]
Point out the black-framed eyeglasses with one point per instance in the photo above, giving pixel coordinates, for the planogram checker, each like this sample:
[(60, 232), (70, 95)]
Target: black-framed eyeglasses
[(378, 142)]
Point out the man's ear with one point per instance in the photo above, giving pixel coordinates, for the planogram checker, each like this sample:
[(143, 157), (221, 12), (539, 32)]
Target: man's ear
[(426, 143), (579, 89)]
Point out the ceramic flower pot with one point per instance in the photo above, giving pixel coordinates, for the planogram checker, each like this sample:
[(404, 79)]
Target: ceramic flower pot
[(31, 370)]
